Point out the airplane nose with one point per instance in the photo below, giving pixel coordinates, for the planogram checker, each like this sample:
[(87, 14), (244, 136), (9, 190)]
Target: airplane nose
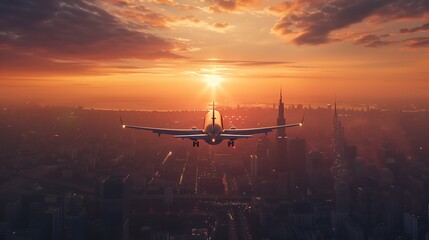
[(213, 140)]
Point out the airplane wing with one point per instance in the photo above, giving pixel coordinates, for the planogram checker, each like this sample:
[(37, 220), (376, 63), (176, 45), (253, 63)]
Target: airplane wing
[(250, 131), (166, 131)]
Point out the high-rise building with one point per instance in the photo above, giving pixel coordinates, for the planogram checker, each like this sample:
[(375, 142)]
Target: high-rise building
[(339, 146), (281, 164), (339, 141), (75, 224), (74, 216), (253, 166), (264, 156), (411, 225), (340, 171), (52, 231), (296, 160), (115, 207), (72, 201)]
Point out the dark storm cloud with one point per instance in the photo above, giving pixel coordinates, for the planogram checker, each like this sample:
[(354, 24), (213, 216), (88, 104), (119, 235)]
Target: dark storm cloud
[(73, 29), (424, 27), (312, 22)]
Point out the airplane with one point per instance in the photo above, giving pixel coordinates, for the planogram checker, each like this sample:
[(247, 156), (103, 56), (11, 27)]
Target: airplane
[(213, 132)]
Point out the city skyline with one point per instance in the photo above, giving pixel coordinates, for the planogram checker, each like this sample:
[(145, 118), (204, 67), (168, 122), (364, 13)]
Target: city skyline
[(74, 173)]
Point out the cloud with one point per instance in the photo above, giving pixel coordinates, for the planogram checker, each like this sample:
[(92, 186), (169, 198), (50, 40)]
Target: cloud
[(136, 5), (313, 22), (141, 17), (242, 62), (221, 25), (424, 27), (373, 41), (417, 42), (119, 3), (232, 5), (20, 64), (166, 2), (283, 7), (190, 21), (74, 29), (14, 63)]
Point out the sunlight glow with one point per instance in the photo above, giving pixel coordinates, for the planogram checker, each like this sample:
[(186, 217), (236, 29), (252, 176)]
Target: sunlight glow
[(212, 80)]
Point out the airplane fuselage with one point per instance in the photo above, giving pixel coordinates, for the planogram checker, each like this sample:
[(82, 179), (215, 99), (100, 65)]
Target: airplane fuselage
[(213, 126)]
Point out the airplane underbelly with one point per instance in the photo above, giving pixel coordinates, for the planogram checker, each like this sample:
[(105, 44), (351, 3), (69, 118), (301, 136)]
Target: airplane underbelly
[(213, 130), (213, 133)]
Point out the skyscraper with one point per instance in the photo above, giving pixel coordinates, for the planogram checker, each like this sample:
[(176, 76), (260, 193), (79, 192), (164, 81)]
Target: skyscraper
[(253, 166), (264, 156), (52, 231), (281, 140), (281, 162), (74, 216), (115, 210), (296, 167), (339, 146), (342, 188), (339, 141)]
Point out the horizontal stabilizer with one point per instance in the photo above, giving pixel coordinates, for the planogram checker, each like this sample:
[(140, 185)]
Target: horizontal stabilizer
[(193, 136), (233, 136)]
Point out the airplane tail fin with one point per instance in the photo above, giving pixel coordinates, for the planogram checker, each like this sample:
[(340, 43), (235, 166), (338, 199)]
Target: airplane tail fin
[(213, 116), (122, 123)]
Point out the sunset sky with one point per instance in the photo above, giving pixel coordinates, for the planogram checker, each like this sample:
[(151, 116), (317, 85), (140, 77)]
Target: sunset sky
[(181, 54)]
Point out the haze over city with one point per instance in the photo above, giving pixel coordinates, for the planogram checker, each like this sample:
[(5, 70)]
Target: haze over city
[(214, 119)]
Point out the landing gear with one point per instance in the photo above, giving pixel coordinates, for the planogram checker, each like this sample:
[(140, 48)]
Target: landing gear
[(231, 143), (195, 143)]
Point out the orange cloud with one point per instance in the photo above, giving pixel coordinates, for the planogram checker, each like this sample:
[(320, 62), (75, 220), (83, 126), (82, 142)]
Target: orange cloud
[(313, 22), (166, 2), (71, 34), (417, 42), (422, 28), (370, 40), (190, 21), (221, 25), (233, 5)]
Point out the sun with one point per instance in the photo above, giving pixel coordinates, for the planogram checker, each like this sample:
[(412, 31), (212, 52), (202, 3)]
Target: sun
[(212, 80)]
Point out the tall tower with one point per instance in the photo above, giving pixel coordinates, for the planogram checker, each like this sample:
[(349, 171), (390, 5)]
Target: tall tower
[(281, 141), (115, 207), (281, 117), (339, 140), (340, 172)]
